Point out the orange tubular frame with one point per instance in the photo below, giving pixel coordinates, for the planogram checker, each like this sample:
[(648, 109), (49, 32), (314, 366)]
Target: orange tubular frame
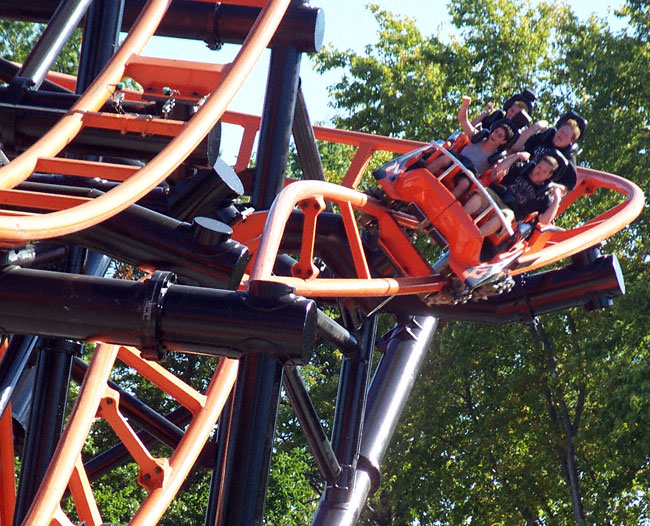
[(570, 242), (15, 229), (365, 286), (161, 477), (551, 247)]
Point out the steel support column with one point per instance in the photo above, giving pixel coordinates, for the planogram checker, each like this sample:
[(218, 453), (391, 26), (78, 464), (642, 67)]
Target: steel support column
[(49, 45), (101, 36), (244, 464), (46, 418), (276, 125), (350, 408), (389, 390)]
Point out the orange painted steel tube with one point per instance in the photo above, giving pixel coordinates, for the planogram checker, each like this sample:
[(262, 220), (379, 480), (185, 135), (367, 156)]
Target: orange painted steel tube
[(82, 495), (20, 229), (354, 239), (60, 470), (358, 165), (358, 288), (190, 446), (98, 92), (281, 210), (185, 395), (7, 472), (274, 229), (80, 168)]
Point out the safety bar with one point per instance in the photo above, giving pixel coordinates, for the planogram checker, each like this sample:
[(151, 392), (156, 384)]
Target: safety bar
[(457, 164)]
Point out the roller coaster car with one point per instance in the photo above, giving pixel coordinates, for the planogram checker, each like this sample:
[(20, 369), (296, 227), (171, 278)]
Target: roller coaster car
[(473, 259)]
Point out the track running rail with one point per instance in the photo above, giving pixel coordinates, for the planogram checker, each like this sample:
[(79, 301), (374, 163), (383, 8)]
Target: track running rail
[(20, 229)]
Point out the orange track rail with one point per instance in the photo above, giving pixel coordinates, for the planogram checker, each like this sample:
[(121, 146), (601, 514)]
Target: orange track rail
[(162, 477), (20, 229)]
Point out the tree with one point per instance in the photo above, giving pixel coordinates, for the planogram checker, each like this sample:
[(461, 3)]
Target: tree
[(17, 39), (517, 423)]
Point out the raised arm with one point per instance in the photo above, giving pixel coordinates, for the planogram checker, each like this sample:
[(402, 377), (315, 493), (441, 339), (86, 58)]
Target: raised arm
[(465, 125), (501, 169), (539, 126), (489, 108)]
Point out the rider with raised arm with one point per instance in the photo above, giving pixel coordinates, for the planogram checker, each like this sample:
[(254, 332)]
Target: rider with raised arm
[(482, 151), (517, 108)]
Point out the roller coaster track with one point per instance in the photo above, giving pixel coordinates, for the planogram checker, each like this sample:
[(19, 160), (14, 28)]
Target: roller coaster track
[(76, 215), (29, 216), (554, 245)]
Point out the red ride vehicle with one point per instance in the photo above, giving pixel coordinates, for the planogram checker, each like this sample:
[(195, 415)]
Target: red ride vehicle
[(475, 261)]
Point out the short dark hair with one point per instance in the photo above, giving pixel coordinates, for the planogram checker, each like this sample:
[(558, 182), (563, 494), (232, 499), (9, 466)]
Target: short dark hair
[(551, 161), (511, 131)]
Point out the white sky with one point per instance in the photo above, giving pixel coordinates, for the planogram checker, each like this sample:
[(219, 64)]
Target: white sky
[(348, 25)]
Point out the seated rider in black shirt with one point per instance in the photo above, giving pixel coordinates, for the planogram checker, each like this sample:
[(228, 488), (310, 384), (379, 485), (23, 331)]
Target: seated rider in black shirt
[(540, 139), (525, 187)]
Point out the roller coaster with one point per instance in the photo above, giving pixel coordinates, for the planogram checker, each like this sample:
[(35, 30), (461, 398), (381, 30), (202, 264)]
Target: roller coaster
[(241, 265)]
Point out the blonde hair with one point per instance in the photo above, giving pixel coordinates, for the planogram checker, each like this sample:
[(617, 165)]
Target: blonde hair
[(575, 129), (521, 104)]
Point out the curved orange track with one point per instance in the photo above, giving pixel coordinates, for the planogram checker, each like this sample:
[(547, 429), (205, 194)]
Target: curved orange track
[(16, 229)]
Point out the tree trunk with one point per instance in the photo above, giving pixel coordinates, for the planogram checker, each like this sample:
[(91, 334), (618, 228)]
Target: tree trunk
[(570, 429)]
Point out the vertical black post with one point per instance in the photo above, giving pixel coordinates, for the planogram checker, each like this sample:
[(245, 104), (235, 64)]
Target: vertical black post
[(389, 389), (100, 39), (245, 462), (46, 419), (350, 409), (276, 126), (54, 365)]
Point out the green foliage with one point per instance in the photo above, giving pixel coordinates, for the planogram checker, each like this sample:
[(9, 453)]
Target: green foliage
[(381, 91), (17, 39), (515, 425), (291, 497)]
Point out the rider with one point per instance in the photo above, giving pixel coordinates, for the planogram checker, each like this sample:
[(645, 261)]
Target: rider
[(517, 108), (520, 186), (539, 139), (483, 150)]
